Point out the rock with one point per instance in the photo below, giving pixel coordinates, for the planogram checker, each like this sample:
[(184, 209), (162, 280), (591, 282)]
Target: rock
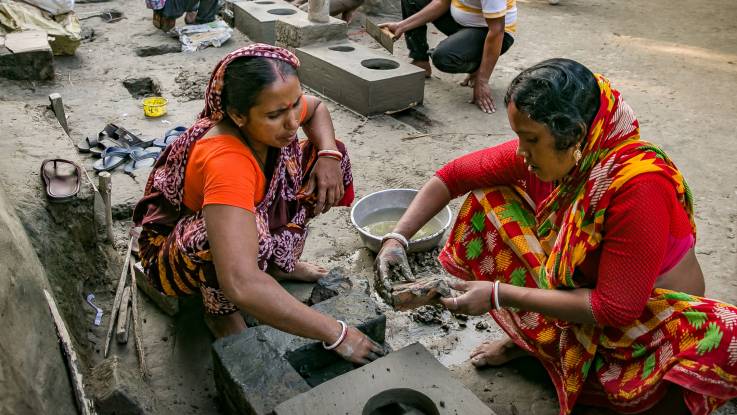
[(329, 286), (26, 56), (158, 50), (430, 314), (482, 325)]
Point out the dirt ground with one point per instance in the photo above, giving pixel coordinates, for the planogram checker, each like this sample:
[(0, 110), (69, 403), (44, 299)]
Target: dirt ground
[(676, 67)]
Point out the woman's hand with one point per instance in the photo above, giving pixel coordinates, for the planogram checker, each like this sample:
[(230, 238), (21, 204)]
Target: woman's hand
[(327, 180), (358, 348), (475, 299), (391, 266)]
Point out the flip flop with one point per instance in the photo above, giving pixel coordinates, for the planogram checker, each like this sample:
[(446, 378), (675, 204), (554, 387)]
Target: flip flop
[(169, 137), (86, 145), (131, 140), (61, 179), (103, 145), (112, 157), (141, 158)]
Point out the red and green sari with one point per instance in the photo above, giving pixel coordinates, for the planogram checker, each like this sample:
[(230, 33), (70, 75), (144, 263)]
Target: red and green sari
[(683, 339)]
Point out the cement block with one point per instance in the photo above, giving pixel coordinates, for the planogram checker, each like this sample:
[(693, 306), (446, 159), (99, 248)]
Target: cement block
[(362, 79), (26, 56), (299, 31), (117, 390), (410, 380), (257, 19), (262, 367)]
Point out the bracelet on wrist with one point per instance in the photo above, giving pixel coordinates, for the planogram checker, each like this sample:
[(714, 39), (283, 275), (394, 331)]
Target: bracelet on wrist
[(496, 304), (335, 154), (397, 237), (343, 332)]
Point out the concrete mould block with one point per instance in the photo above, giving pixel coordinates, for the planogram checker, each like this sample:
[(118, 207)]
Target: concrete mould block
[(263, 367), (26, 56), (408, 381), (362, 79), (257, 19), (298, 31)]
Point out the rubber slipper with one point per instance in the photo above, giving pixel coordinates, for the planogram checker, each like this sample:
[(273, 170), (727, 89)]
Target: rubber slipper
[(142, 158), (103, 145), (61, 179), (112, 157), (169, 137), (87, 144), (131, 140)]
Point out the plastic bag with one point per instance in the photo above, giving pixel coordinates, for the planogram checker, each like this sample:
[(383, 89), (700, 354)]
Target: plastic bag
[(193, 37), (54, 7), (64, 29)]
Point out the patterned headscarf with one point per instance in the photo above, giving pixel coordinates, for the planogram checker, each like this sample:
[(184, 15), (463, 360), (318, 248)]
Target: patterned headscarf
[(571, 219), (169, 179)]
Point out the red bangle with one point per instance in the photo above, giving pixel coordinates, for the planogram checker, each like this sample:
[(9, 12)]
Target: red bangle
[(330, 153)]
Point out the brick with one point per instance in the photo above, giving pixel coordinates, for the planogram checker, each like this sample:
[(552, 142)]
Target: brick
[(299, 31), (364, 80), (411, 377), (26, 56), (257, 19)]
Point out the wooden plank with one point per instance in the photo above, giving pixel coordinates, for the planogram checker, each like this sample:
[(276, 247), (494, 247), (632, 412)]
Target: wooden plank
[(58, 107), (121, 330), (421, 292), (383, 36), (105, 187), (137, 324), (84, 405), (118, 295)]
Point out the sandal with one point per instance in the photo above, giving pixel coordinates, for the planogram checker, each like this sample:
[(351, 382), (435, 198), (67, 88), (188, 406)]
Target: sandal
[(103, 145), (61, 179), (141, 158), (169, 137), (112, 157)]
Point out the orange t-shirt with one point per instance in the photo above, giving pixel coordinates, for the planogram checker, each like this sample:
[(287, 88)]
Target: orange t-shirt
[(222, 170)]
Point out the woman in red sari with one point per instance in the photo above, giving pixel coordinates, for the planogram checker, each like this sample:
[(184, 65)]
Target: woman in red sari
[(226, 206), (578, 239)]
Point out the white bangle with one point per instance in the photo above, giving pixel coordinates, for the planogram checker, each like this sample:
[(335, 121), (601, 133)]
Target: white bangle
[(497, 306), (397, 237), (343, 331)]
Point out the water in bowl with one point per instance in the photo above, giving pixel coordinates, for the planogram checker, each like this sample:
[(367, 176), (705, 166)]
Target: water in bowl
[(383, 221)]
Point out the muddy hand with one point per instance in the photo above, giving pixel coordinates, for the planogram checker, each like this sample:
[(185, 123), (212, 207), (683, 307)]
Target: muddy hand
[(326, 181), (358, 348), (475, 298), (391, 266)]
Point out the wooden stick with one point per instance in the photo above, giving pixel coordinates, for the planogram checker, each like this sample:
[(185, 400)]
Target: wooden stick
[(84, 405), (137, 323), (58, 107), (105, 186), (118, 295), (121, 330)]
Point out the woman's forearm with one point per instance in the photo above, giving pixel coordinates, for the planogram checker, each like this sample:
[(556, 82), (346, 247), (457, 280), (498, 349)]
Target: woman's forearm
[(319, 128), (433, 197), (429, 13), (266, 300), (569, 305)]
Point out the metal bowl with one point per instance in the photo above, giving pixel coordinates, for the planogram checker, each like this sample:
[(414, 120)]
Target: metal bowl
[(394, 199)]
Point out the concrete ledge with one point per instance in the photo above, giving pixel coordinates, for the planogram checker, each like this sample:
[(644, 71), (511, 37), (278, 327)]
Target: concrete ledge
[(364, 80), (257, 19), (409, 379), (299, 31), (26, 56)]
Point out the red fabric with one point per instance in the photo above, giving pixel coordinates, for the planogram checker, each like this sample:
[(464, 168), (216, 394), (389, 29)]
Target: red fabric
[(493, 166), (644, 226), (636, 244)]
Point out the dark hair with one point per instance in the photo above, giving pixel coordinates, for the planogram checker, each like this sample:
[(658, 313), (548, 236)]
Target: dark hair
[(560, 93), (246, 77)]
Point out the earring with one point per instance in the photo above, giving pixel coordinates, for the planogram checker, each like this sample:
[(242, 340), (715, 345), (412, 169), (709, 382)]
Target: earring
[(577, 155)]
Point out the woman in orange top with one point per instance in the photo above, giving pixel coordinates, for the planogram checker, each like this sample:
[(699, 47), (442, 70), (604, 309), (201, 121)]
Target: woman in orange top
[(226, 206)]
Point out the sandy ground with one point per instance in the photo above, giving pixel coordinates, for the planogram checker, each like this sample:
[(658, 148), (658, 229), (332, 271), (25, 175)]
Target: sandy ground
[(676, 67)]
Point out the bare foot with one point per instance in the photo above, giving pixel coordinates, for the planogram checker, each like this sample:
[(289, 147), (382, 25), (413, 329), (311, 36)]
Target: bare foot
[(303, 271), (424, 65), (495, 353), (469, 81), (222, 326)]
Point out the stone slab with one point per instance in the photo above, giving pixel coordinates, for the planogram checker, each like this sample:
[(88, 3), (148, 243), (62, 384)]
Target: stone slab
[(257, 19), (26, 56), (117, 390), (262, 367), (363, 79), (299, 31), (410, 378)]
